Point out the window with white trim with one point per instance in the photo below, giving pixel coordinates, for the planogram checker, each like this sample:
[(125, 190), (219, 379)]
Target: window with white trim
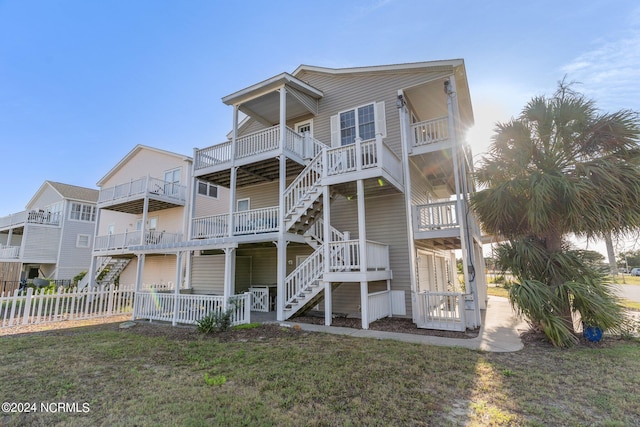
[(83, 241), (82, 212), (362, 122), (207, 189)]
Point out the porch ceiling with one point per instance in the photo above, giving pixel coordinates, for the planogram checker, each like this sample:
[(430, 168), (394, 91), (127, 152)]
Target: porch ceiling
[(262, 100), (137, 206), (373, 187), (253, 173), (448, 243), (437, 167)]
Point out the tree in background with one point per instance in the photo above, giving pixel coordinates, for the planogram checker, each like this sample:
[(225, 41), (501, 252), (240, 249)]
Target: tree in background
[(561, 167)]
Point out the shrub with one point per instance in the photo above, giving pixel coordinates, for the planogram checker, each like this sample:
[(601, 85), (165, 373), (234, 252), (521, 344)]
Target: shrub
[(216, 321)]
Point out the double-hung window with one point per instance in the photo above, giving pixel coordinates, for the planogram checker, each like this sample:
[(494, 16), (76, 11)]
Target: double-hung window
[(362, 122), (82, 212), (207, 189)]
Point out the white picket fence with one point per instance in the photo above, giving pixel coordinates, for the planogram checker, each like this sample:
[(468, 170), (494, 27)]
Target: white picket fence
[(32, 307), (189, 308)]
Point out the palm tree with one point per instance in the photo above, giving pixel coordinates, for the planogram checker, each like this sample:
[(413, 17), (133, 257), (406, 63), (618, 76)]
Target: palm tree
[(561, 167)]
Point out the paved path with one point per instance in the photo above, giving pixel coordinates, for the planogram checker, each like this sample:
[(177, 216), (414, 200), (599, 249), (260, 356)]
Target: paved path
[(630, 292), (500, 331)]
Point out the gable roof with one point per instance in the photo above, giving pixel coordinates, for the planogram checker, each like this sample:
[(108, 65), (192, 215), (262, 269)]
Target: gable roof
[(135, 151), (67, 191), (448, 63)]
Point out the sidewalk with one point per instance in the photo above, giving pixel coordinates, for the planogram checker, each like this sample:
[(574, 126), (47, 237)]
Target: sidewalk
[(500, 331)]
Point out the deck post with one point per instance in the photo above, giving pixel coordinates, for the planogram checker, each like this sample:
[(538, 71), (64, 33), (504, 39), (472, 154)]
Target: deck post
[(139, 271), (229, 274), (362, 255), (364, 304), (176, 290), (328, 310)]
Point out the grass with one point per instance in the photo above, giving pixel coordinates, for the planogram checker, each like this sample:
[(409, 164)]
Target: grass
[(132, 377)]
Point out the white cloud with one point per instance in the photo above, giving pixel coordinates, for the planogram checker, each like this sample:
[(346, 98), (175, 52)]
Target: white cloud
[(610, 72)]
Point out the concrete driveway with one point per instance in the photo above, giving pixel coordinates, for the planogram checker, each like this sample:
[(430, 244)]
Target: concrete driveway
[(630, 292)]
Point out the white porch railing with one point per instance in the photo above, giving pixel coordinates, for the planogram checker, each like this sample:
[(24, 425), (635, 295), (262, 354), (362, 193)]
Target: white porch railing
[(35, 307), (31, 217), (9, 252), (441, 310), (155, 237), (210, 227), (116, 241), (345, 256), (379, 305), (141, 187), (443, 215), (255, 221), (256, 143), (436, 216), (214, 155), (363, 155), (188, 309), (430, 131)]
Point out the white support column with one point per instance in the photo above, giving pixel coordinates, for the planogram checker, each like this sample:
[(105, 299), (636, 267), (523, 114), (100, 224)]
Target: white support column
[(232, 200), (283, 118), (145, 215), (326, 220), (466, 242), (364, 304), (405, 145), (362, 245), (281, 262), (176, 290), (229, 274), (191, 209), (187, 272), (328, 310), (139, 272), (362, 227)]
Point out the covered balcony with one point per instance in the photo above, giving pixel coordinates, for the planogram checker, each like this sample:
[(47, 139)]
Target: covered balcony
[(130, 197), (255, 156), (440, 222), (251, 222), (120, 243)]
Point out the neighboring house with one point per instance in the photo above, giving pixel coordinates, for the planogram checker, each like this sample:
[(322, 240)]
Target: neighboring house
[(144, 199), (348, 193), (52, 238)]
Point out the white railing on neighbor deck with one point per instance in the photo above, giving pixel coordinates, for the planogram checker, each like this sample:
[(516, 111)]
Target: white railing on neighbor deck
[(9, 251), (436, 216), (36, 306), (430, 131), (141, 187), (116, 241), (345, 256), (254, 221), (188, 309), (31, 217), (209, 227), (155, 237), (441, 310)]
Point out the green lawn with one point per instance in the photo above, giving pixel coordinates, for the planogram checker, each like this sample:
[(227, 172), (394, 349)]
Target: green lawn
[(156, 375)]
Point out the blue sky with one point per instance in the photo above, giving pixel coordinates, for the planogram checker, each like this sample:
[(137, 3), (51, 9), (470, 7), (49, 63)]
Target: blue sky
[(82, 82)]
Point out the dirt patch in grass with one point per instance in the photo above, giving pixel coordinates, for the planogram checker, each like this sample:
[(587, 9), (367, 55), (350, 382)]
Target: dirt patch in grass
[(387, 324)]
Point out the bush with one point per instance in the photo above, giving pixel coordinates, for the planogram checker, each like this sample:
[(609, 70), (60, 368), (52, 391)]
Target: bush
[(216, 321)]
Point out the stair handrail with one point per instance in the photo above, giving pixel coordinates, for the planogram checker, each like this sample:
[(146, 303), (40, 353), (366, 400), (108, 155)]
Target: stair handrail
[(318, 232), (296, 281), (307, 179)]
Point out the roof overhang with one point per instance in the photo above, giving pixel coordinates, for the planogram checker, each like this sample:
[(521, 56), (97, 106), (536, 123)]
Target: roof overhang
[(261, 101)]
